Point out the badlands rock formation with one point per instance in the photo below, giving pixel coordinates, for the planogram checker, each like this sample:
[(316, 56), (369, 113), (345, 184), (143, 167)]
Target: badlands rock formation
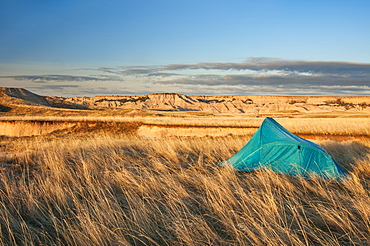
[(227, 104), (251, 104), (13, 97)]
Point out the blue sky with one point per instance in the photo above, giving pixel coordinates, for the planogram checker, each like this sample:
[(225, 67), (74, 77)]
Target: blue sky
[(280, 47)]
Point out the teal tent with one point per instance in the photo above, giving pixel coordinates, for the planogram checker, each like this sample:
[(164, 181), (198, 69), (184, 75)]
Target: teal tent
[(274, 148)]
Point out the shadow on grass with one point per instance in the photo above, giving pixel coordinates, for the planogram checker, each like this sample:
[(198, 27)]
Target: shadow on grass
[(347, 153), (4, 108)]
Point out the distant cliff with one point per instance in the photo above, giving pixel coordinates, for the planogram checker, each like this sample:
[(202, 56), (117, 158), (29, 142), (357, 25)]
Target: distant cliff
[(178, 102), (16, 97), (227, 104)]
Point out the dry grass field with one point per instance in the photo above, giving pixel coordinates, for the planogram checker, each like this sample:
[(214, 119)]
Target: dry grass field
[(96, 181)]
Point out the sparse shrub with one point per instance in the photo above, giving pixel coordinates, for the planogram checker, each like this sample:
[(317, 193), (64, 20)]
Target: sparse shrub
[(125, 100), (292, 101), (340, 102)]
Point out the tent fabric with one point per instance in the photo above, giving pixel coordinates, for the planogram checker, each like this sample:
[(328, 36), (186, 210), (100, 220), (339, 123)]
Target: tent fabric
[(274, 148)]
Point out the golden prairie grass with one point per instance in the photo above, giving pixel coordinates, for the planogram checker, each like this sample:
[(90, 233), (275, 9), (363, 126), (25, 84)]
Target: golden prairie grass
[(328, 128), (30, 128), (191, 125), (21, 128), (122, 190)]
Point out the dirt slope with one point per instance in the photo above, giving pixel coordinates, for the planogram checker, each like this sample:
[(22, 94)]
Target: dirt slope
[(17, 97), (21, 96)]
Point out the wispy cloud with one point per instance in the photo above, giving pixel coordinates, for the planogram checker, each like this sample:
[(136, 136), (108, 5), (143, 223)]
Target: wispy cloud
[(212, 80), (50, 78), (254, 75), (159, 74), (269, 64), (259, 64), (56, 87), (258, 75)]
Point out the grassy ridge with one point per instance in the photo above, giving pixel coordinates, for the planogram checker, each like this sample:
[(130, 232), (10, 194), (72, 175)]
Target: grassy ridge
[(121, 190)]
